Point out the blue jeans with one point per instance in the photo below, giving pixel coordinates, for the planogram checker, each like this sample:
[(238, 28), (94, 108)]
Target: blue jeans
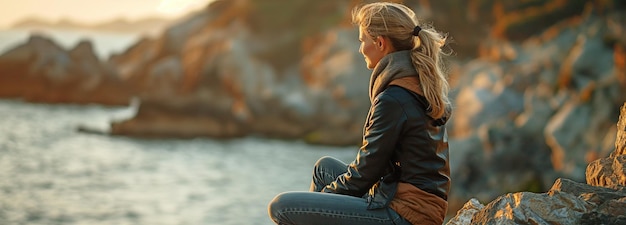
[(314, 207)]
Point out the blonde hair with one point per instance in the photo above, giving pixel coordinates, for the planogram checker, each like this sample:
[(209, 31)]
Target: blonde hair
[(396, 22)]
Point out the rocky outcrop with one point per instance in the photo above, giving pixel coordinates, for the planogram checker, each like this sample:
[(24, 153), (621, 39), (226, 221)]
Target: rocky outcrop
[(41, 71), (528, 113), (601, 201), (611, 171), (227, 76)]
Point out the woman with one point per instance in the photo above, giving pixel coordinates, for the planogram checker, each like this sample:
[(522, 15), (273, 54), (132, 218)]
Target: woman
[(401, 173)]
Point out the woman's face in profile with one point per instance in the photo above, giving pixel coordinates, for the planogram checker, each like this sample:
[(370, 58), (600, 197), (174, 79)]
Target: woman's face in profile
[(369, 49)]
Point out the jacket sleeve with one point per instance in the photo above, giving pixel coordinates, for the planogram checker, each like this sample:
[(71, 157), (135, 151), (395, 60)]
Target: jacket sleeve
[(380, 136)]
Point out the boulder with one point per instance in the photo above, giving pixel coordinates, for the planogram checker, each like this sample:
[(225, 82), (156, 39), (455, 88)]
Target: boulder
[(601, 201), (611, 171), (567, 202), (607, 172), (465, 214), (554, 207)]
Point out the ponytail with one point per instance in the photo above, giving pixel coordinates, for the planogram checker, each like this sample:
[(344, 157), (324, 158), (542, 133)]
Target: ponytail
[(427, 60)]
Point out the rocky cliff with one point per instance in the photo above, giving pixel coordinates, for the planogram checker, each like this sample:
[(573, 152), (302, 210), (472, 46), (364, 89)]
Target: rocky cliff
[(250, 68), (602, 200), (42, 71), (530, 112)]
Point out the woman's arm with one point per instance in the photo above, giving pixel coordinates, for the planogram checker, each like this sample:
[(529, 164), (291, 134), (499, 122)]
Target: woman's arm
[(382, 131)]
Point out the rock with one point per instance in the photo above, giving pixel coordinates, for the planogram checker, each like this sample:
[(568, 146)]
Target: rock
[(523, 23), (490, 161), (131, 63), (537, 109), (607, 172), (465, 214), (41, 71), (567, 202), (595, 218), (564, 134), (569, 121), (164, 73), (219, 67), (553, 207), (614, 208), (620, 140), (594, 194), (593, 62), (484, 98), (611, 208), (39, 56), (611, 171), (602, 201), (187, 119)]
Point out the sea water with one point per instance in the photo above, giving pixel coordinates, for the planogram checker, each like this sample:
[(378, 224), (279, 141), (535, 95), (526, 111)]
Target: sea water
[(52, 174)]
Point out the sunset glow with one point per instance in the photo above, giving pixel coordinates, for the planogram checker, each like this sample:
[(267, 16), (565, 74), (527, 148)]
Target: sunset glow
[(178, 6), (93, 11)]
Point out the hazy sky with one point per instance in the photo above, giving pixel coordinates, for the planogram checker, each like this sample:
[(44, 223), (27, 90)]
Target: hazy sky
[(93, 11)]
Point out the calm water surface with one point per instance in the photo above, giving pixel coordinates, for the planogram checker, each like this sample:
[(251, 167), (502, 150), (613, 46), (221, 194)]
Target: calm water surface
[(52, 174)]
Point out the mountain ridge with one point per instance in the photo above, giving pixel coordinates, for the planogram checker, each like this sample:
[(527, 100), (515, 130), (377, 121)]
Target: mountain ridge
[(148, 25)]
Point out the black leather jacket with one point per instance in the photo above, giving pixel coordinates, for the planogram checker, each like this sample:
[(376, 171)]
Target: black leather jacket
[(401, 143)]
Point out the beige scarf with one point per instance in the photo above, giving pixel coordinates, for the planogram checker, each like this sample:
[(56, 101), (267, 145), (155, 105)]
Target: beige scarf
[(392, 66)]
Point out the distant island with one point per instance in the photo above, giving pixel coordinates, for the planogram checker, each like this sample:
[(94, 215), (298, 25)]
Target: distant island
[(149, 25)]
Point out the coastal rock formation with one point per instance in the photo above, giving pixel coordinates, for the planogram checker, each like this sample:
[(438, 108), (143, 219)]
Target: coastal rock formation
[(528, 113), (601, 201), (42, 71), (227, 75)]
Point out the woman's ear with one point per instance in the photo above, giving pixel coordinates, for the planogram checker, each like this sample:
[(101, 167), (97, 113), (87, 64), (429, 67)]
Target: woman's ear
[(380, 43), (384, 44)]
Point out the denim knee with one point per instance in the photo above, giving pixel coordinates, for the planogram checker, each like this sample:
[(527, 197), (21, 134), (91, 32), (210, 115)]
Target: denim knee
[(323, 161), (328, 162), (277, 205)]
